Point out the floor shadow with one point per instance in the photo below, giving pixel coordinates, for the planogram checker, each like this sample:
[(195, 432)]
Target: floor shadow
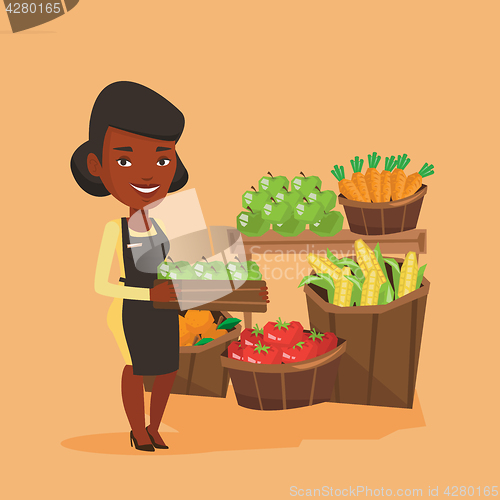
[(27, 32), (213, 424)]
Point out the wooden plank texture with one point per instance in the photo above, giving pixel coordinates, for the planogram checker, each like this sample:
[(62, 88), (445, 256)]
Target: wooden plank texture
[(343, 242)]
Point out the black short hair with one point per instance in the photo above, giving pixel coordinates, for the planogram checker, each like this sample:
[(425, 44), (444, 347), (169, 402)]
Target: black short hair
[(134, 108)]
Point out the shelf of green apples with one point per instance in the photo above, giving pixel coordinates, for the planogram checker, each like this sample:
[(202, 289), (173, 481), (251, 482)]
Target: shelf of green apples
[(290, 212)]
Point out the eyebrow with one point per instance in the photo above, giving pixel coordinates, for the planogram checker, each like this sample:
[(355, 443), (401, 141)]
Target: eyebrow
[(126, 148), (160, 148)]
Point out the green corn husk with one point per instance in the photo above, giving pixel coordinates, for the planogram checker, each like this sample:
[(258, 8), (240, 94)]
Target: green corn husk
[(353, 266), (420, 276), (386, 294), (322, 280), (356, 289), (331, 257)]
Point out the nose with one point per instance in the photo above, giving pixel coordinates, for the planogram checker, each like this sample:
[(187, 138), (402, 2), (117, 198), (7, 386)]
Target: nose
[(147, 179)]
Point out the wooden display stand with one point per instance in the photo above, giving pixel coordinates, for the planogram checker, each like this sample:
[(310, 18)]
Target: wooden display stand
[(271, 242)]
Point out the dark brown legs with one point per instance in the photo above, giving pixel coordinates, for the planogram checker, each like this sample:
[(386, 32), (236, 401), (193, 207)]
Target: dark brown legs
[(159, 397), (133, 402)]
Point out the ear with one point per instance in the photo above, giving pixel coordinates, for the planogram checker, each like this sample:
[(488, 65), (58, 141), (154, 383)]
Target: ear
[(93, 165)]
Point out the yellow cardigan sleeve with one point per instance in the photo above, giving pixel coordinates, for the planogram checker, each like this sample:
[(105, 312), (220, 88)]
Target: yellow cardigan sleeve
[(102, 284)]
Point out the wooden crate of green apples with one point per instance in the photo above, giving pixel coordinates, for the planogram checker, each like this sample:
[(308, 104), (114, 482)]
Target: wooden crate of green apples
[(289, 209), (214, 286)]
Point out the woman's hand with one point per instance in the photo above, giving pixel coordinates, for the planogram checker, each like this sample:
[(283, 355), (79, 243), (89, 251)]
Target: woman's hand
[(264, 294), (164, 292)]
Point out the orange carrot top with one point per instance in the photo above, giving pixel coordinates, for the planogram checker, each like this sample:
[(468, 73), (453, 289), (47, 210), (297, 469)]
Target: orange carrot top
[(346, 186), (414, 181)]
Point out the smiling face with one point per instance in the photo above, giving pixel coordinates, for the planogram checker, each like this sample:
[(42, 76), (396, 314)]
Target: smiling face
[(136, 170)]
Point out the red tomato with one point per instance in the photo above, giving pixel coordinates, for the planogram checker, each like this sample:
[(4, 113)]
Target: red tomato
[(235, 351), (305, 349), (261, 354), (324, 341), (250, 336), (282, 333), (330, 341)]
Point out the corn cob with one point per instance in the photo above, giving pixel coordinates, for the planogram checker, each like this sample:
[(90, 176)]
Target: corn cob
[(367, 260), (371, 289), (323, 265), (408, 277), (343, 289)]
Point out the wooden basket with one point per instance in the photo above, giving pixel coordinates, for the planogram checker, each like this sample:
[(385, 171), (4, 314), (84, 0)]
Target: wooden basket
[(380, 367), (288, 385), (383, 218)]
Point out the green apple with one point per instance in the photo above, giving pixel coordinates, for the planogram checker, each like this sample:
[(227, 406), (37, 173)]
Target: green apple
[(291, 197), (255, 200), (204, 266), (306, 184), (248, 270), (252, 266), (329, 225), (292, 227), (252, 224), (273, 185), (240, 273), (166, 267), (200, 267), (183, 273), (327, 199), (277, 213), (163, 271), (249, 265), (307, 211), (216, 271)]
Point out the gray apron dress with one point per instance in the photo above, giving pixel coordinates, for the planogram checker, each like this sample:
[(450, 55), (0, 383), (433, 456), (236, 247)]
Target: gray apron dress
[(152, 334)]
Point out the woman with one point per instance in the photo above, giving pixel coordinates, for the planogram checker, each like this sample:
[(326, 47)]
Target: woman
[(131, 154)]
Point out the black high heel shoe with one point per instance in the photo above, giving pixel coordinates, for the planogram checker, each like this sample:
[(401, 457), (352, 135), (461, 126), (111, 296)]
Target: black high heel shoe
[(141, 447), (156, 445)]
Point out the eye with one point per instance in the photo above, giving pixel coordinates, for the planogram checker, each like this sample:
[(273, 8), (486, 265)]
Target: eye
[(123, 162), (163, 162)]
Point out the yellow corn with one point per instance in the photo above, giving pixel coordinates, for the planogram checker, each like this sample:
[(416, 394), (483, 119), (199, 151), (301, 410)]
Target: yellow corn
[(323, 265), (367, 260), (371, 289), (343, 289), (409, 272)]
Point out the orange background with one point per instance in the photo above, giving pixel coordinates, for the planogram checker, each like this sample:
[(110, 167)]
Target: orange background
[(280, 86)]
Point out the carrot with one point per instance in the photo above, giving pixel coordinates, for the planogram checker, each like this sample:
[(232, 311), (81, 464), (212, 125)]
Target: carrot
[(372, 177), (398, 177), (346, 186), (359, 179), (414, 181), (385, 178)]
